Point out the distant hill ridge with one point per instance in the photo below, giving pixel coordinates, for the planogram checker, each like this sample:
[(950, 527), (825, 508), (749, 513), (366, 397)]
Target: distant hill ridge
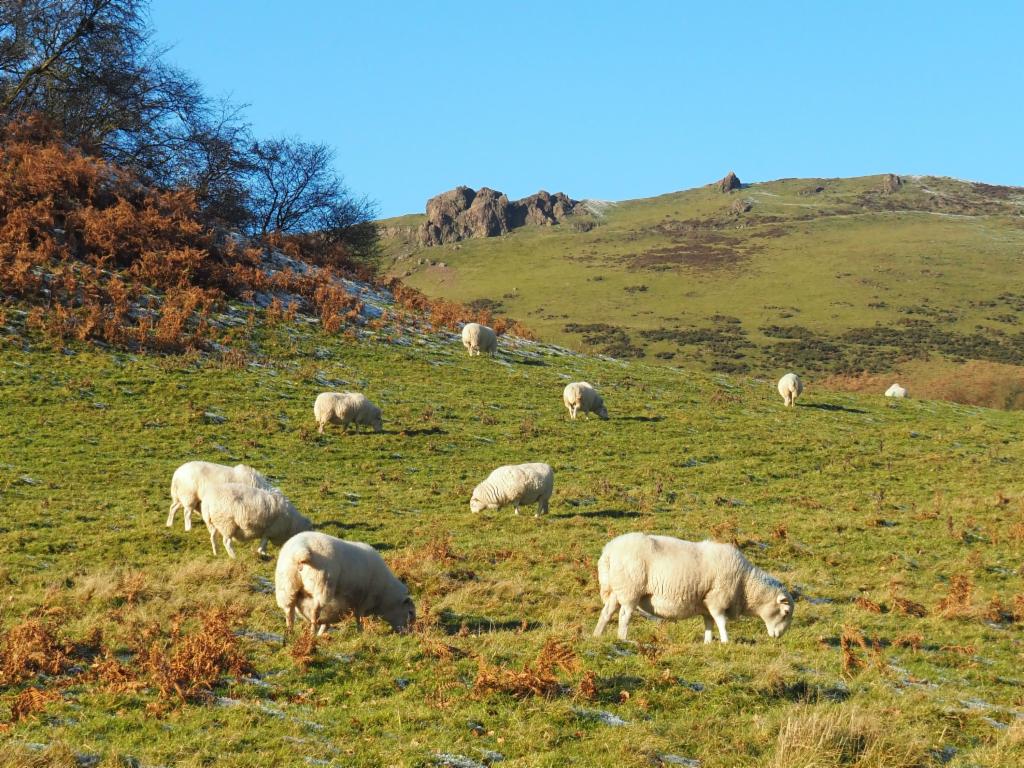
[(834, 277)]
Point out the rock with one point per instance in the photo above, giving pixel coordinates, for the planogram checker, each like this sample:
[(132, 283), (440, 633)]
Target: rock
[(209, 417), (741, 206), (891, 182), (728, 183), (462, 213)]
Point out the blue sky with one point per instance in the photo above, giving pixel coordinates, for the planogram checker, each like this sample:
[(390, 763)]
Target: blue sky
[(616, 100)]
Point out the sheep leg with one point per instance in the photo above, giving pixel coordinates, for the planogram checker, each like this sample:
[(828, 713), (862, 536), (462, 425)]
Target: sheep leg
[(359, 623), (314, 618), (542, 507), (229, 547), (610, 607), (262, 550), (321, 630), (709, 625), (188, 518), (517, 508), (289, 617), (625, 614), (213, 536), (320, 429), (720, 622), (170, 515)]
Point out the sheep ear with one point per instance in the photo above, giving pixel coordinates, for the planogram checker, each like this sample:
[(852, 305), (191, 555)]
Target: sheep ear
[(782, 599)]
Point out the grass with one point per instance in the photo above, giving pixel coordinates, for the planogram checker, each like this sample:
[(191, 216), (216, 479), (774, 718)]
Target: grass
[(874, 511), (804, 279)]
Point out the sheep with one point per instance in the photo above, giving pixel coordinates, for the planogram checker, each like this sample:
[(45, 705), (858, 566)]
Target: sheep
[(190, 480), (580, 397), (668, 578), (896, 391), (790, 387), (478, 338), (346, 408), (236, 511), (516, 484), (325, 578)]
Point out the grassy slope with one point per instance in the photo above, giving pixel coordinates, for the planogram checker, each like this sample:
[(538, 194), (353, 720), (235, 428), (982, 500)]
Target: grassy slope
[(871, 494), (829, 261)]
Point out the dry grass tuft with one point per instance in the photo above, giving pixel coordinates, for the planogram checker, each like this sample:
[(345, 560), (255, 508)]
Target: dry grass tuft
[(830, 737)]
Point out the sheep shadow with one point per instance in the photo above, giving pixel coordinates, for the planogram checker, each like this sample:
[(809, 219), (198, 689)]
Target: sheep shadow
[(338, 525), (640, 418), (613, 514), (452, 623), (525, 361), (422, 431), (830, 407)]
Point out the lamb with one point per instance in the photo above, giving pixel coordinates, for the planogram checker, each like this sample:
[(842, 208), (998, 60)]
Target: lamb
[(236, 511), (580, 397), (325, 578), (790, 387), (478, 338), (669, 578), (190, 481), (346, 408), (516, 484), (896, 391)]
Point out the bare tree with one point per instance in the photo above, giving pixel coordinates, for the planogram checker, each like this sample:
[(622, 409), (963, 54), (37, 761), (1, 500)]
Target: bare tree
[(294, 189)]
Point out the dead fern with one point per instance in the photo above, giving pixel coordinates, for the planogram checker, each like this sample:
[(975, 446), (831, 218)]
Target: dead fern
[(191, 665), (29, 649), (957, 602)]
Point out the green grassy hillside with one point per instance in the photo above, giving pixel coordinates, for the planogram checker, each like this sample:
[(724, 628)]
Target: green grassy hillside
[(828, 276), (873, 511)]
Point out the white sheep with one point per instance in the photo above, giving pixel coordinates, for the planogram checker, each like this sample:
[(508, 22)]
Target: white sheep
[(346, 408), (669, 578), (238, 512), (896, 391), (790, 387), (581, 397), (516, 484), (325, 578), (191, 479), (478, 338)]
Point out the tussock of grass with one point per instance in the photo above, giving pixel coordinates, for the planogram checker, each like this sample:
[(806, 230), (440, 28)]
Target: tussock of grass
[(847, 737)]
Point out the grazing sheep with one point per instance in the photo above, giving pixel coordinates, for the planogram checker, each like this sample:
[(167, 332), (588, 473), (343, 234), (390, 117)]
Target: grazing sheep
[(479, 338), (516, 484), (669, 578), (580, 397), (236, 511), (326, 578), (190, 481), (896, 391), (346, 408), (790, 387)]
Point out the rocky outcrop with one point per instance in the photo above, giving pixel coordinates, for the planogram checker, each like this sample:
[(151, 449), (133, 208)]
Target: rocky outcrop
[(462, 213), (891, 182), (728, 183)]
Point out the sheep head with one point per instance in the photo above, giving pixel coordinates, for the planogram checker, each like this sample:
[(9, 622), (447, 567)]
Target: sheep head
[(777, 614), (400, 615)]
